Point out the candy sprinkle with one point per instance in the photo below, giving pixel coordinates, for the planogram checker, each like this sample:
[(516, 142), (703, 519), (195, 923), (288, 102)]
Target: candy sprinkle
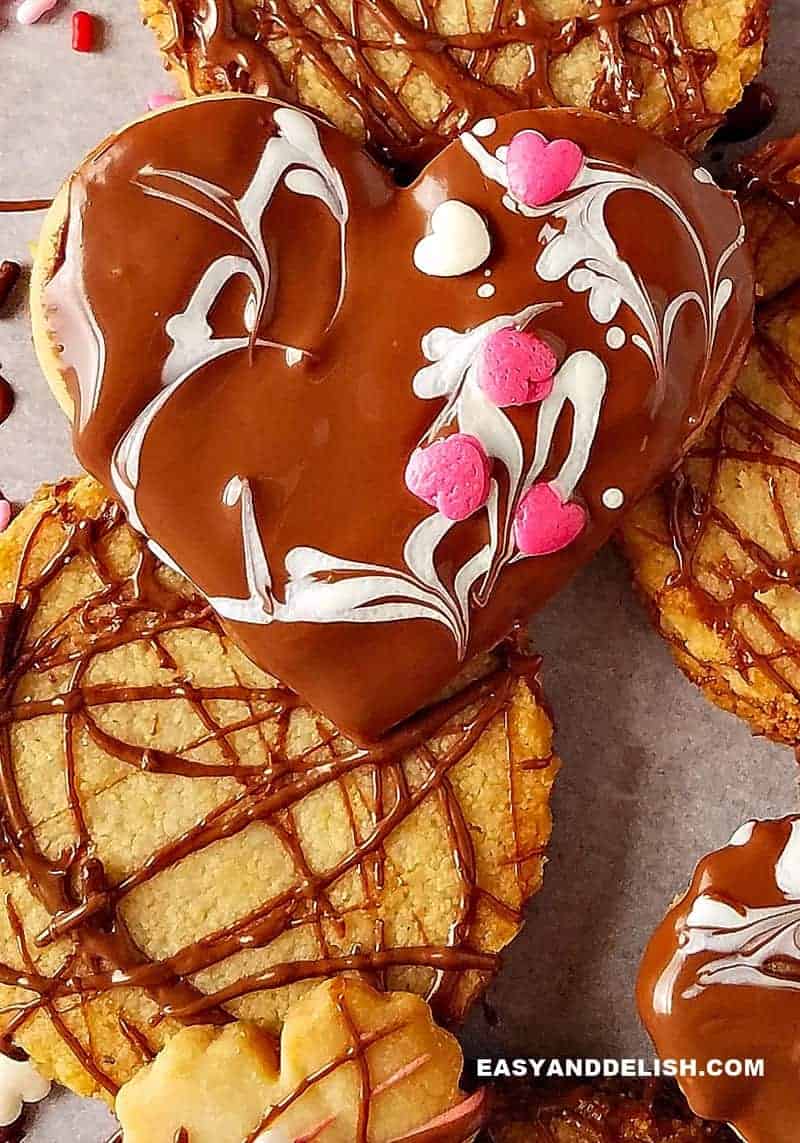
[(32, 10), (158, 99), (82, 32), (9, 276), (5, 514)]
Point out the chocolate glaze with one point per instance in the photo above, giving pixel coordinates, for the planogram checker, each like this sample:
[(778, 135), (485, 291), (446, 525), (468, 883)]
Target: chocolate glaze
[(74, 888), (223, 56), (324, 443), (704, 1002)]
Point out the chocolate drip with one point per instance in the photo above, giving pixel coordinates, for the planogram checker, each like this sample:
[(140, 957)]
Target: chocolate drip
[(80, 898), (219, 54), (24, 205)]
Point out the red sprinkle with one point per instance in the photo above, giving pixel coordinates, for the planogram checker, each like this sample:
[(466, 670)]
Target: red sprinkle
[(82, 32)]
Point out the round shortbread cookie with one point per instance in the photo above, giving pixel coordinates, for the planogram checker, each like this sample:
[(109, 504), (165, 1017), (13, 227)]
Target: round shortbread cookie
[(406, 75), (184, 841), (716, 552)]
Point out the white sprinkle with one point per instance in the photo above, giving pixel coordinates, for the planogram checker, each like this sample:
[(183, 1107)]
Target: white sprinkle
[(293, 356), (613, 498), (615, 338), (232, 492), (458, 241), (485, 127), (487, 290), (487, 273)]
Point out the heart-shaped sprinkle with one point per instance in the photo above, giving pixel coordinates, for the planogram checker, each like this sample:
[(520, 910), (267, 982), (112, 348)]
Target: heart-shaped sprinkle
[(458, 242), (540, 171), (452, 475), (545, 523), (516, 368)]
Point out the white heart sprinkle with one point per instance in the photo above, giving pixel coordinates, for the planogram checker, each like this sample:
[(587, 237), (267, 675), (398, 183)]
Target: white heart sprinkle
[(20, 1083), (458, 242)]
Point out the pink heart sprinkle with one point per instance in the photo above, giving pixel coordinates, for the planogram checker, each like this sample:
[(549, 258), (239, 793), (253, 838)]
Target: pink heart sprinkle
[(516, 368), (544, 523), (540, 171), (6, 512), (452, 475)]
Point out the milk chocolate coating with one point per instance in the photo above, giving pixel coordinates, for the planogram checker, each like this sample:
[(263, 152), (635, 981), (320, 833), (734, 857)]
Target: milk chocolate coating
[(323, 442), (725, 983)]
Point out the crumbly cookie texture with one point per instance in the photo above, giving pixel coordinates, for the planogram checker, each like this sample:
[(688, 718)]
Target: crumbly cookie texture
[(184, 841), (607, 1112), (402, 73), (716, 551), (353, 1064)]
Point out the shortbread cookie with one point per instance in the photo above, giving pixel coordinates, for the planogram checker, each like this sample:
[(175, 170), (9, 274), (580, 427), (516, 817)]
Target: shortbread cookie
[(720, 981), (612, 1111), (186, 842), (405, 77), (353, 1064), (377, 427), (716, 552)]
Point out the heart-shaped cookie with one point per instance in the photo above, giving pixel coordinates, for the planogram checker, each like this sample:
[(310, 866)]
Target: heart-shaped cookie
[(253, 350)]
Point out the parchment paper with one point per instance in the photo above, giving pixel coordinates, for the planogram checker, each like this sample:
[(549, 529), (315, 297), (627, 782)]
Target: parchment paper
[(653, 775)]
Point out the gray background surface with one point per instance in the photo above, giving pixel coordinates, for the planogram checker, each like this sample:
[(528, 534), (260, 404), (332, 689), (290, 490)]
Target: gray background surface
[(653, 775)]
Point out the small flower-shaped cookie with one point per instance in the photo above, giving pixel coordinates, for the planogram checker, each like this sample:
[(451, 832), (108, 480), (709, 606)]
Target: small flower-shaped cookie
[(353, 1064)]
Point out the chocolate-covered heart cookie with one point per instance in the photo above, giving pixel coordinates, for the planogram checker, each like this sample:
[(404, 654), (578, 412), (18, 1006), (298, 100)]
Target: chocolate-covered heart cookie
[(377, 426)]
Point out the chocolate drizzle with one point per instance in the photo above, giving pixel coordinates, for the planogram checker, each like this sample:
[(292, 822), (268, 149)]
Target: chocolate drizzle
[(730, 596), (774, 171), (224, 50), (24, 205), (84, 902)]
